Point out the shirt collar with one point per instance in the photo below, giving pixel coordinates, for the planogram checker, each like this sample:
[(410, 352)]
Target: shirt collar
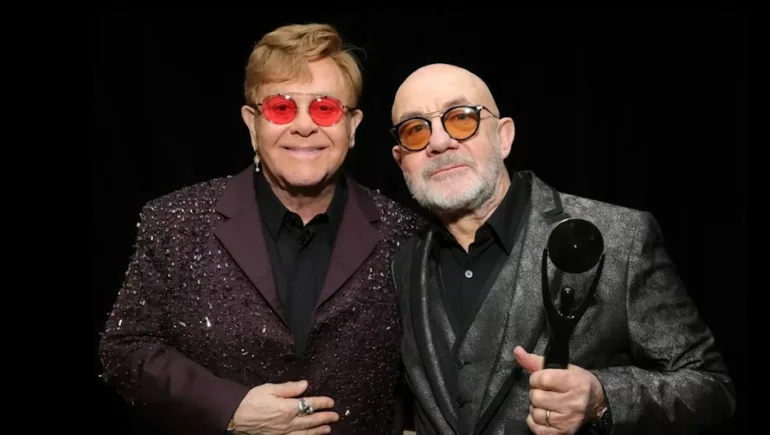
[(273, 211), (506, 218)]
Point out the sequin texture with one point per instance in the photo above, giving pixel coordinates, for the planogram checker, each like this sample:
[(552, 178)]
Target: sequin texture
[(190, 334)]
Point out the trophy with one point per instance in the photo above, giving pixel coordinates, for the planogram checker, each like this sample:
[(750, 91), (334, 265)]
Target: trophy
[(574, 246)]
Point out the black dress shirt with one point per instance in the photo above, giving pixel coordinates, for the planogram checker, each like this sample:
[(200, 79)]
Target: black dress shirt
[(466, 277), (299, 254)]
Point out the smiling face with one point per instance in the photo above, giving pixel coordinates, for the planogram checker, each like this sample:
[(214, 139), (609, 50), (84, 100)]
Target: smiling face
[(300, 153), (451, 175)]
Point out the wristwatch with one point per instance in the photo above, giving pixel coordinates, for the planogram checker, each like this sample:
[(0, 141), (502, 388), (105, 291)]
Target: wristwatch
[(230, 430)]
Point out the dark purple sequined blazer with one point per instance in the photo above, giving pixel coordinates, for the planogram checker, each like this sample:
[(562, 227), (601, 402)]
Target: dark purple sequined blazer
[(197, 322)]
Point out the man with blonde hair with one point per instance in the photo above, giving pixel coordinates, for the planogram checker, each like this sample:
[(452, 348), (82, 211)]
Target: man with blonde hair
[(259, 303)]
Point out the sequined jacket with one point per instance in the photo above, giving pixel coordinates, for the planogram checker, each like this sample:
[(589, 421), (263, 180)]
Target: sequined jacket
[(641, 334), (197, 321)]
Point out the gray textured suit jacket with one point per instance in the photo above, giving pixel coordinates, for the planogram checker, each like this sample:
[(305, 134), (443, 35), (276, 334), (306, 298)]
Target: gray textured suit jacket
[(641, 335)]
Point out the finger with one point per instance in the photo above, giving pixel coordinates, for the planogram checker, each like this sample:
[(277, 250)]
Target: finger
[(528, 361), (541, 417), (546, 399), (317, 403), (540, 429), (313, 421), (538, 415), (551, 380), (531, 423), (287, 389), (314, 431)]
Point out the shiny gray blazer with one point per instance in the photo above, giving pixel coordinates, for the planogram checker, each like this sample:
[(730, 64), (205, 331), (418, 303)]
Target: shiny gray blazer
[(641, 335)]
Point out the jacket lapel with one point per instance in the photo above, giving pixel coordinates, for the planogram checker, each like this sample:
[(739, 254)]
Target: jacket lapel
[(241, 235), (526, 316), (483, 341), (356, 239), (430, 321)]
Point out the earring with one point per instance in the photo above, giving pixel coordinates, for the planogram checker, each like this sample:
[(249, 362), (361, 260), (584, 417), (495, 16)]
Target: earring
[(256, 161)]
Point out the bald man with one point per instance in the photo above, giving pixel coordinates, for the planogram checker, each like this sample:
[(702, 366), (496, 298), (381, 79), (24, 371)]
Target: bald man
[(641, 359)]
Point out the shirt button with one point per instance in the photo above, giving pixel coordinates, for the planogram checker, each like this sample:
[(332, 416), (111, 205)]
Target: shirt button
[(460, 401), (468, 274), (459, 363)]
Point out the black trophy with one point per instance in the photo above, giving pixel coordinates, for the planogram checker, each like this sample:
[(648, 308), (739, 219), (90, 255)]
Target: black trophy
[(574, 246)]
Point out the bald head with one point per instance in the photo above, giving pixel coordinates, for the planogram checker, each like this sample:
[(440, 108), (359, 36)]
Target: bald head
[(437, 86), (458, 167)]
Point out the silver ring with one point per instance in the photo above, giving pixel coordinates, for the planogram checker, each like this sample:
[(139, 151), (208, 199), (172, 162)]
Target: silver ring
[(304, 408), (548, 418)]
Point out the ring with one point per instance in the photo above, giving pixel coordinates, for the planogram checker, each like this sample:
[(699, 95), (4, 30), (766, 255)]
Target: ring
[(548, 418), (304, 408)]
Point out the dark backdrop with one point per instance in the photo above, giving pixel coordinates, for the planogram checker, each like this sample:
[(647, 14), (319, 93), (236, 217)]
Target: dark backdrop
[(644, 108)]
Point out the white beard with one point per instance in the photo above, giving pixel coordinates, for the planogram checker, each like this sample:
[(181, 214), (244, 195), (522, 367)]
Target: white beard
[(480, 186)]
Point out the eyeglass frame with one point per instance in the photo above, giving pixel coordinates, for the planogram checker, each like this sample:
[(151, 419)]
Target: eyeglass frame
[(428, 116), (346, 110)]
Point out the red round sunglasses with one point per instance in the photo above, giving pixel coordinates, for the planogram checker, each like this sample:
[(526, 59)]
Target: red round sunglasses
[(324, 110)]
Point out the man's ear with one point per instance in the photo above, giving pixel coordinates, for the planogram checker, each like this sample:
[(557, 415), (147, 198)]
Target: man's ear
[(249, 118), (397, 154), (505, 133), (356, 116)]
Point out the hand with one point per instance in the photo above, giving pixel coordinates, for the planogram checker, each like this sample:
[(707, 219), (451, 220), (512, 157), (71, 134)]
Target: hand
[(271, 409), (573, 396)]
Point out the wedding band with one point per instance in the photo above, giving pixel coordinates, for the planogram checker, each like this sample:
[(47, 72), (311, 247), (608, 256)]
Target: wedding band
[(304, 408), (548, 418)]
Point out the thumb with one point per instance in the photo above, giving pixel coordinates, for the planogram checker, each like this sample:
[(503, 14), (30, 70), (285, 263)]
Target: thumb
[(528, 361), (288, 389)]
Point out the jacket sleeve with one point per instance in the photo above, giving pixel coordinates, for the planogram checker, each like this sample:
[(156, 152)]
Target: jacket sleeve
[(677, 381), (136, 353)]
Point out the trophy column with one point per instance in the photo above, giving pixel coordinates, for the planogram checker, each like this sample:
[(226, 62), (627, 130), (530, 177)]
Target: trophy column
[(574, 246)]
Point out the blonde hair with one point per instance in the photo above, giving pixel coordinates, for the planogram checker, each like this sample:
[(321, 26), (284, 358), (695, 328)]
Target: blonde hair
[(283, 55)]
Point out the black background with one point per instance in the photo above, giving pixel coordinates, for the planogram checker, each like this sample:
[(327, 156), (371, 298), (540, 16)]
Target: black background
[(643, 108)]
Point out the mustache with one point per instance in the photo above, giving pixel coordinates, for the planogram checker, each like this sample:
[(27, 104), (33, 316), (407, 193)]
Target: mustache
[(449, 159)]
